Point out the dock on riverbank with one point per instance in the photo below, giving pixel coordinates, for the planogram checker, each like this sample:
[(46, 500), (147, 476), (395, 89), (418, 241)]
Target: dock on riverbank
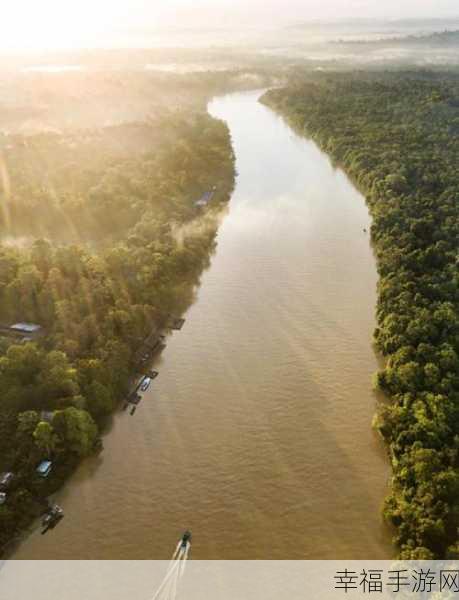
[(151, 345)]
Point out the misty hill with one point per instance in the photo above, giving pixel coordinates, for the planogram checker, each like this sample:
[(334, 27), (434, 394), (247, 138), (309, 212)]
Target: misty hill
[(439, 39)]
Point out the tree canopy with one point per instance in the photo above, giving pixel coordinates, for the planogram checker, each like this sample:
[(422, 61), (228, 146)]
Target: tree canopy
[(114, 244)]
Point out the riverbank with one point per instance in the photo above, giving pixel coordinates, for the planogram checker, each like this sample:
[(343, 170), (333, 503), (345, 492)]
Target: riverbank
[(394, 135), (143, 245)]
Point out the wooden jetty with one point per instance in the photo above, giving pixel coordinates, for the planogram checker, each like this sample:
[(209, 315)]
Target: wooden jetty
[(151, 345)]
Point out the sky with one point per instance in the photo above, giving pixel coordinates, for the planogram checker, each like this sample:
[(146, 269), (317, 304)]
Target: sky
[(292, 10), (48, 24)]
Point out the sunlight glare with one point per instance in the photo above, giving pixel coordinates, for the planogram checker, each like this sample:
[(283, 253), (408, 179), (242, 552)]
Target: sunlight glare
[(56, 24)]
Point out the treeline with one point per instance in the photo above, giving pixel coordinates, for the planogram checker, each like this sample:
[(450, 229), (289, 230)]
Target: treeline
[(397, 136), (437, 39), (127, 194), (108, 90)]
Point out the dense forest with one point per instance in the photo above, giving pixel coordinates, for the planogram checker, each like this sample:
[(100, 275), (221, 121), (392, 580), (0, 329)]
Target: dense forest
[(102, 240), (397, 136)]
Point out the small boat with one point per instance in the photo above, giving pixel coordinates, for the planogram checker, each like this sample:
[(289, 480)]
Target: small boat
[(177, 323), (52, 517), (5, 480), (186, 539), (98, 446), (135, 399), (145, 384)]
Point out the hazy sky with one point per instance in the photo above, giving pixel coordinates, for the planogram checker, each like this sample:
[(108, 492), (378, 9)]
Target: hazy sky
[(310, 9), (55, 23)]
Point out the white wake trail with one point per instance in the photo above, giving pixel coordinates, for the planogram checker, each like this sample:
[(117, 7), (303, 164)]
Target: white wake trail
[(177, 550), (184, 559), (174, 580), (166, 579), (175, 570)]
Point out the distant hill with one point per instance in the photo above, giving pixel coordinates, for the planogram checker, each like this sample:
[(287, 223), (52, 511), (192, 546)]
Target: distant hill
[(443, 39), (396, 26)]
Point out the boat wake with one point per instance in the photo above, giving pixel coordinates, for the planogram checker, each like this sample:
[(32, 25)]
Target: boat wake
[(175, 571)]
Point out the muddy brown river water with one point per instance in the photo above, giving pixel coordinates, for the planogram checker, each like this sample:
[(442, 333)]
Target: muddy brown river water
[(257, 433)]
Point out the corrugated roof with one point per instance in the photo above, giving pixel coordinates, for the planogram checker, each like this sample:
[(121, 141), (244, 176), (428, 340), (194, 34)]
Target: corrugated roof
[(28, 327), (44, 466)]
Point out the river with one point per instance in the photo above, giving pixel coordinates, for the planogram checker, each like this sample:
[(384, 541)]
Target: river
[(257, 433)]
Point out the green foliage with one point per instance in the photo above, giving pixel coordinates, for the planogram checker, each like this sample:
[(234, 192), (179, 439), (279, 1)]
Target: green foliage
[(76, 430), (125, 246), (395, 136), (34, 378), (44, 437)]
